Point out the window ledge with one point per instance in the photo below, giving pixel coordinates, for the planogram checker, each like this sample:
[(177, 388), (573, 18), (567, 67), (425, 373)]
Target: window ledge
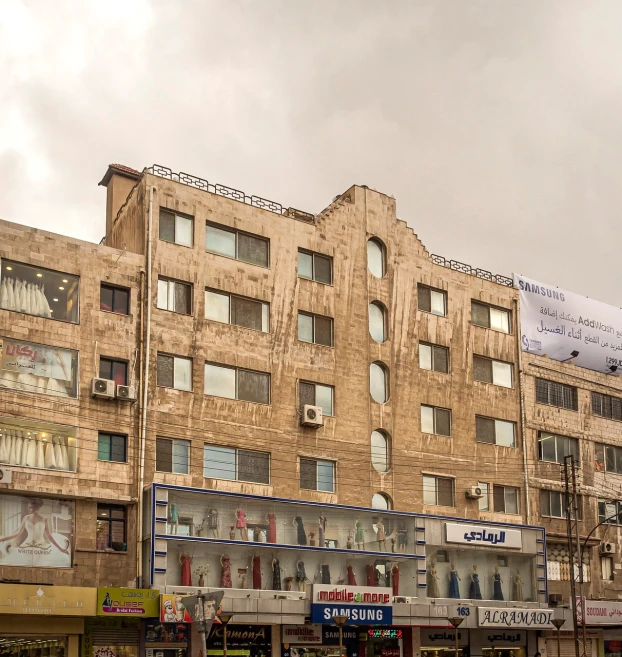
[(111, 312), (92, 551)]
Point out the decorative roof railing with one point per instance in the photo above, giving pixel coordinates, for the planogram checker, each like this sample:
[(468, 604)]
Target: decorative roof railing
[(467, 269)]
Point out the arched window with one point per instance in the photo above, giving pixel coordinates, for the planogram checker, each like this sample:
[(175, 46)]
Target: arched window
[(376, 260), (378, 382), (381, 501), (380, 451), (377, 321)]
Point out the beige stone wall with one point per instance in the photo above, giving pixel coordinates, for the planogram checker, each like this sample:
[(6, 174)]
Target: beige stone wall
[(98, 333)]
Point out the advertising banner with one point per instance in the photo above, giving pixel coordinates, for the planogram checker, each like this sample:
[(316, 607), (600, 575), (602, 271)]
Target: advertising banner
[(436, 637), (369, 605), (483, 535), (165, 635), (302, 634), (47, 600), (35, 532), (357, 614), (558, 323), (113, 601), (172, 609), (600, 612), (537, 619)]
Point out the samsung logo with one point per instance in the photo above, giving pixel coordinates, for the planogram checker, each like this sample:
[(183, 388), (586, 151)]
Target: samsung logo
[(540, 289)]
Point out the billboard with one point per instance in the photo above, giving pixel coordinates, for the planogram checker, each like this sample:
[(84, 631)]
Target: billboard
[(564, 325), (115, 601), (35, 532)]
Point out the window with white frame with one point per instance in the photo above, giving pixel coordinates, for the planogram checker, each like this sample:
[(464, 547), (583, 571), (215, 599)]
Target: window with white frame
[(484, 501), (495, 432), (235, 244), (505, 499), (380, 450), (435, 420), (174, 372), (174, 296), (490, 317), (377, 321), (172, 455), (379, 382), (433, 357), (176, 228), (236, 464), (438, 491), (240, 311), (315, 328), (315, 267), (317, 475), (237, 383), (492, 371), (606, 568), (554, 448)]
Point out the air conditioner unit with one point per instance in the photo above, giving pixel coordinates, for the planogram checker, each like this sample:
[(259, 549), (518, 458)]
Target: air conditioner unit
[(311, 416), (607, 548), (103, 388), (555, 599), (126, 393), (400, 599), (475, 493), (6, 475)]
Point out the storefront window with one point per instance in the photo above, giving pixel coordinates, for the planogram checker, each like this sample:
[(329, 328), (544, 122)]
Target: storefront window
[(35, 444), (33, 646), (38, 368), (38, 291)]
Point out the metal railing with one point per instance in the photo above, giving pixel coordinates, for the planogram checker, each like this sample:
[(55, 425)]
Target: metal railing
[(467, 269)]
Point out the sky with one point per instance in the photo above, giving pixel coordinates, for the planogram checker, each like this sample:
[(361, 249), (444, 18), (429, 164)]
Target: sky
[(494, 123)]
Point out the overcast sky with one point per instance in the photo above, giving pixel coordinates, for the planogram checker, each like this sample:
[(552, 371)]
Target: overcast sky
[(496, 124)]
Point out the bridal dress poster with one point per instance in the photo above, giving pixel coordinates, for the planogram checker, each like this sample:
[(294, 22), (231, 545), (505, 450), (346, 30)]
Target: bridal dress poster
[(38, 368), (35, 532)]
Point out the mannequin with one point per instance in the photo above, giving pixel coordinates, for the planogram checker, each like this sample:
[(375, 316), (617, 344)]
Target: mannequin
[(351, 577), (243, 575), (232, 532), (518, 587), (301, 535), (380, 535), (395, 579), (276, 575), (393, 543), (497, 591), (322, 530), (173, 517), (256, 572), (433, 588), (325, 573), (369, 573), (225, 571), (402, 537), (301, 575), (271, 518), (454, 578), (240, 515), (474, 589), (213, 523), (186, 576), (350, 541), (360, 535)]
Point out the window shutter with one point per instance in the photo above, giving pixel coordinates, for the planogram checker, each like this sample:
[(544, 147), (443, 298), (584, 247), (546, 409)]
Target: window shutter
[(424, 299), (542, 391), (482, 369), (308, 474), (252, 249), (165, 371), (182, 298), (254, 466), (167, 226), (440, 359), (307, 394), (445, 491), (480, 315), (164, 455), (323, 331), (616, 408), (254, 386), (117, 449), (323, 269), (443, 422), (245, 312), (485, 430), (498, 494)]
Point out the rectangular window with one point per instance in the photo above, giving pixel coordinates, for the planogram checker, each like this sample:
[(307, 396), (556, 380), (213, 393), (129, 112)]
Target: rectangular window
[(174, 296), (433, 357), (115, 370), (111, 528), (438, 491), (236, 383), (174, 372), (496, 432), (610, 512), (236, 244), (553, 504), (436, 420), (236, 464), (317, 475), (606, 406), (172, 455), (112, 447), (316, 329), (492, 371), (241, 311), (497, 319), (38, 368), (315, 267), (556, 394), (555, 448), (176, 228), (431, 300), (17, 447), (608, 458), (505, 499), (606, 567), (316, 394), (37, 291), (114, 299), (484, 500)]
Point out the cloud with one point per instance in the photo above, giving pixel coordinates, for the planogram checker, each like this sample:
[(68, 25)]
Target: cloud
[(495, 124)]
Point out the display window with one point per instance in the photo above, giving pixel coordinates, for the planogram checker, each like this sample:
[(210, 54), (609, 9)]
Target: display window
[(36, 444), (38, 368), (613, 648), (503, 652), (384, 643), (38, 291), (480, 574), (34, 646)]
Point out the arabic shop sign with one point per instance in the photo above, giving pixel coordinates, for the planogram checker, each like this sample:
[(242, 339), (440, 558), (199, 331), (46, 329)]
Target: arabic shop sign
[(47, 600), (557, 323), (432, 638), (600, 612), (502, 639), (352, 595), (483, 535), (385, 634), (113, 601), (539, 619)]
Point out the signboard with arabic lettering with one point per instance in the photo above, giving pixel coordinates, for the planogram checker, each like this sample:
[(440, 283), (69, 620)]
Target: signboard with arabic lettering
[(600, 612), (483, 535), (559, 323)]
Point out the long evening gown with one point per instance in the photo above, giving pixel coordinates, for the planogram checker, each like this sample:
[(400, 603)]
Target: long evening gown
[(475, 592), (454, 586), (497, 591)]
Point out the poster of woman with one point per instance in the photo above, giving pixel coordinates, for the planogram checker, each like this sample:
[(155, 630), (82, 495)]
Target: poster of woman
[(35, 532)]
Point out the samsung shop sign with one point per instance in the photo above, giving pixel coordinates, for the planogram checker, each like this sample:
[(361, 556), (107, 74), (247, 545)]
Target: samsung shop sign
[(483, 535), (363, 605)]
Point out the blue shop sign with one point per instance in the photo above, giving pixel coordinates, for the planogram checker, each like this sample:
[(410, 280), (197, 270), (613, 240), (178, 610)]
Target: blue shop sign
[(357, 614)]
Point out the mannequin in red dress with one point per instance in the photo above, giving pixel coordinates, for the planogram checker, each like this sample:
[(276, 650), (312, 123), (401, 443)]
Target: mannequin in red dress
[(186, 576), (256, 572), (271, 518), (351, 577), (369, 570), (395, 579)]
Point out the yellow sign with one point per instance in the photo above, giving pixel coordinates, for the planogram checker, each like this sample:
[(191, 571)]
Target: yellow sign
[(47, 600), (113, 601)]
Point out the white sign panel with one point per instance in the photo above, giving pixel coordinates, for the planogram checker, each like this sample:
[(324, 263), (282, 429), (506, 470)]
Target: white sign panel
[(557, 323), (483, 535), (302, 634), (600, 612), (352, 595), (507, 617)]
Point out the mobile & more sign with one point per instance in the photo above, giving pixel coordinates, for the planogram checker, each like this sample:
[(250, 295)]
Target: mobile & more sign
[(360, 604)]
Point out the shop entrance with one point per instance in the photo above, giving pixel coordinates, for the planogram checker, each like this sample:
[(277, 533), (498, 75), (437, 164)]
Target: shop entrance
[(504, 652), (33, 646)]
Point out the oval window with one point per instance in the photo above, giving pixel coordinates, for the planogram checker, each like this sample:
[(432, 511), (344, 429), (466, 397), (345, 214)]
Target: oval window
[(376, 257), (380, 501), (378, 383), (380, 451), (377, 321)]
